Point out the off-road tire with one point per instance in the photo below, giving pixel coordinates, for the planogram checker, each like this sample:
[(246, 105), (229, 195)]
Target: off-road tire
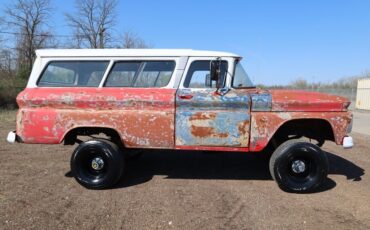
[(108, 175), (314, 159)]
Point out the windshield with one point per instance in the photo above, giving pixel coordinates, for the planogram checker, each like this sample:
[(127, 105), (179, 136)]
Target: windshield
[(241, 79)]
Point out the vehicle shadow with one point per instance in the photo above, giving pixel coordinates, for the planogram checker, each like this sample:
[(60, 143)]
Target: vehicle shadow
[(221, 166), (216, 165), (195, 165), (341, 166)]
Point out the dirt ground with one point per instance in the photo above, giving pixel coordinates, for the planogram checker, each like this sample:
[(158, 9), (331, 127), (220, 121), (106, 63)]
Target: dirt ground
[(178, 190), (361, 122)]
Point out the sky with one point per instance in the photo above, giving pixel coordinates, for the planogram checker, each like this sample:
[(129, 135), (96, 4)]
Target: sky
[(280, 41)]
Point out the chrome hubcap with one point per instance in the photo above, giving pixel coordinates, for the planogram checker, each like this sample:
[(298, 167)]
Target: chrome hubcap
[(298, 166), (97, 163)]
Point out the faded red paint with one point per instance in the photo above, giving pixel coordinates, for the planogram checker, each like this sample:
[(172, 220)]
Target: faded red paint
[(142, 117), (145, 118), (295, 100), (265, 124), (213, 148)]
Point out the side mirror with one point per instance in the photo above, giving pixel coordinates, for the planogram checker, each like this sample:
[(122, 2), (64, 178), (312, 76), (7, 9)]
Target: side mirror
[(216, 74), (215, 70), (208, 82)]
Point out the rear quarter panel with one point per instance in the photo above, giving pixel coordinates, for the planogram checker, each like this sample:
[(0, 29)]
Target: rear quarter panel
[(143, 117)]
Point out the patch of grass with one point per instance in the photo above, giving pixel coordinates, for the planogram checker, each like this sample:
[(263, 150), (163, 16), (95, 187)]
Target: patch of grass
[(7, 115)]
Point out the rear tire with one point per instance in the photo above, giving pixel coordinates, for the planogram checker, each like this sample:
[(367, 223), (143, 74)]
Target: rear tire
[(298, 166), (97, 164)]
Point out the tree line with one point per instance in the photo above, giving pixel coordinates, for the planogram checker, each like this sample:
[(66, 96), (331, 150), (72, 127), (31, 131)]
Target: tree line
[(26, 25), (345, 83)]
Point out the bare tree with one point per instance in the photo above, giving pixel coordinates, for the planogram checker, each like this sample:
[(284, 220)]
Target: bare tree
[(29, 20), (5, 54), (94, 22), (6, 62), (132, 40)]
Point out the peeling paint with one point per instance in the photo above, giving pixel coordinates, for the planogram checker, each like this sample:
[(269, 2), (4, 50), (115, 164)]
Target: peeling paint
[(208, 119), (142, 117), (261, 101), (265, 124), (303, 101), (160, 118)]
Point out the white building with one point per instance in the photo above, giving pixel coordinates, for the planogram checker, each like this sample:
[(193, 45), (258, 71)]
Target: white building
[(363, 94)]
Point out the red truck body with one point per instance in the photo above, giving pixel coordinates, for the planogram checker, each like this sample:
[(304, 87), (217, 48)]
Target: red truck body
[(146, 118), (174, 99)]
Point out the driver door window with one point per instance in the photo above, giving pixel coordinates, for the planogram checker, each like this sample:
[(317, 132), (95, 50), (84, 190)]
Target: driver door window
[(199, 73)]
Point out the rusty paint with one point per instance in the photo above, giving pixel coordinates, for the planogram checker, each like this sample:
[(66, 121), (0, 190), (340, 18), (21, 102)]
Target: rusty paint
[(261, 101), (265, 124), (202, 116), (213, 148), (198, 131), (289, 105), (304, 101), (142, 117), (209, 119), (158, 118)]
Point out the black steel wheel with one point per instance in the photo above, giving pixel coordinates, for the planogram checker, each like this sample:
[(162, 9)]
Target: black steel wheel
[(97, 164), (298, 166)]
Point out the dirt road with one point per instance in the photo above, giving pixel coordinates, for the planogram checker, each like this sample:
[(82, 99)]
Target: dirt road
[(178, 190)]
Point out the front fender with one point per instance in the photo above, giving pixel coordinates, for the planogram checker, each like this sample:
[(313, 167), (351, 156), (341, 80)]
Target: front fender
[(265, 124)]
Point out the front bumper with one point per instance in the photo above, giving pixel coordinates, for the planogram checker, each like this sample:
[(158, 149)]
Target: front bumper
[(12, 137), (347, 142)]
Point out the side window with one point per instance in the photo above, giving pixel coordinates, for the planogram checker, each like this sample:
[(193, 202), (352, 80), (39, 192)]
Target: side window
[(122, 74), (141, 74), (198, 73), (73, 73), (155, 74)]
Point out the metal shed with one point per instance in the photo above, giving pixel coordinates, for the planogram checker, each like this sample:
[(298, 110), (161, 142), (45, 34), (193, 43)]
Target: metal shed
[(363, 94)]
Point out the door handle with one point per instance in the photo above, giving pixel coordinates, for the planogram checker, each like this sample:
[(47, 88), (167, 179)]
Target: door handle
[(186, 96)]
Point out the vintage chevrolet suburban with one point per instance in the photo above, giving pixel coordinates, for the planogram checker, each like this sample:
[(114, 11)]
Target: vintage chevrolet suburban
[(174, 99)]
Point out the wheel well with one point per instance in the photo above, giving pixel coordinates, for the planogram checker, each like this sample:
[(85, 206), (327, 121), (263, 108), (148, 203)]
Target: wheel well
[(72, 136), (316, 129)]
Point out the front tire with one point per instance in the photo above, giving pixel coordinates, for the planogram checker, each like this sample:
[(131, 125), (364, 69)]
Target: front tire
[(97, 164), (298, 166)]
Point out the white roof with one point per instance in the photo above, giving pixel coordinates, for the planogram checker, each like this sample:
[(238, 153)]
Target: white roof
[(131, 53)]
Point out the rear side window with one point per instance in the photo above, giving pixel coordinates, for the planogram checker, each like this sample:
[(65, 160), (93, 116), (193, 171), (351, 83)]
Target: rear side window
[(122, 74), (73, 74), (142, 74)]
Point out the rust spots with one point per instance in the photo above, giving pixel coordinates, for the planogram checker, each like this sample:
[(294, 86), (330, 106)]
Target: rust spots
[(265, 124), (206, 132), (223, 128), (200, 125), (145, 118), (203, 116), (243, 128), (142, 117), (295, 100)]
